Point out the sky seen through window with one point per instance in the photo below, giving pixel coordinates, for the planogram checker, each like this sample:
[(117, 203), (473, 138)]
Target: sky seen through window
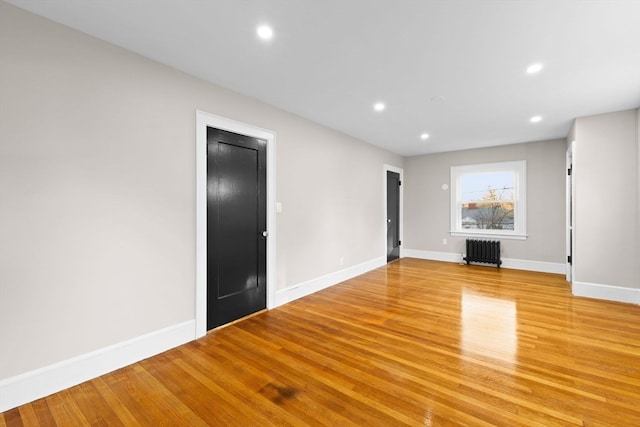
[(475, 186)]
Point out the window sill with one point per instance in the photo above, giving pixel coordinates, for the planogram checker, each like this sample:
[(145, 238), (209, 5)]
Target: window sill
[(489, 235)]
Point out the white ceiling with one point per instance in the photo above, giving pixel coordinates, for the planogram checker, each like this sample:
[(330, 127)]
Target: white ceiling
[(454, 69)]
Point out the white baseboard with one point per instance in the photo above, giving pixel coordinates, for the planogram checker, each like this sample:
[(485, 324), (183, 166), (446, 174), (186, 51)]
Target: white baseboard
[(606, 292), (432, 255), (33, 385), (300, 290), (539, 266), (517, 264)]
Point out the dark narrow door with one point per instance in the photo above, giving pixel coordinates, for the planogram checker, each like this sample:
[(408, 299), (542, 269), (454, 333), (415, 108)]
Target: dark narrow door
[(393, 216), (569, 218), (236, 226)]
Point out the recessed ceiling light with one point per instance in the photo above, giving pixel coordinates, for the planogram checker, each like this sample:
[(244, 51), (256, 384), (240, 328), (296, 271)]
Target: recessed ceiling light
[(424, 136), (379, 106), (534, 68), (265, 32), (535, 119)]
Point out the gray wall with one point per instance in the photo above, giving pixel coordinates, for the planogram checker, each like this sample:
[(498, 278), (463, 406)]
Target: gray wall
[(97, 189), (606, 199), (427, 204)]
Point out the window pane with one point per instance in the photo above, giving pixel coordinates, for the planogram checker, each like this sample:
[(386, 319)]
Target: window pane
[(488, 186), (489, 199), (487, 215)]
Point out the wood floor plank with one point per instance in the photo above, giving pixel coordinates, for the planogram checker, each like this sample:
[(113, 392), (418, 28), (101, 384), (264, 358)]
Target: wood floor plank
[(96, 410), (412, 343), (65, 410), (294, 388), (135, 396), (12, 418), (225, 399), (112, 399), (361, 409), (43, 415)]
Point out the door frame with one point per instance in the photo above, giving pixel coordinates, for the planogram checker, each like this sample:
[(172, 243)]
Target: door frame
[(204, 120), (570, 213), (400, 172)]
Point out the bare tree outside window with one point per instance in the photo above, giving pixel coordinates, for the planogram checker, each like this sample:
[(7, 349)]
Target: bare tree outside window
[(494, 211)]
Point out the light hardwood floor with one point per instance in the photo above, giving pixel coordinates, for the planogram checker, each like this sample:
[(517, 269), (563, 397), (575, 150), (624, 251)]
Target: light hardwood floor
[(413, 343)]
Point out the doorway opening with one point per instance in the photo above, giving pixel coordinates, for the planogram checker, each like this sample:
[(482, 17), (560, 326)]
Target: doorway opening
[(393, 212), (203, 121), (570, 213)]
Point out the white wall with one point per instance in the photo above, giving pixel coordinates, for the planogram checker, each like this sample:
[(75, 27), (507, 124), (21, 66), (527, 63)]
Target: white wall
[(427, 204), (607, 215), (97, 202), (97, 187)]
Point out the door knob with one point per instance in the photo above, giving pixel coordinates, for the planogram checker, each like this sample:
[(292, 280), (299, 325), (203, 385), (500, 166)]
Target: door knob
[(265, 233), (389, 220)]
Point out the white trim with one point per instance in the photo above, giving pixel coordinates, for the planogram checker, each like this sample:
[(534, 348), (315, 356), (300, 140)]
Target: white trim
[(511, 263), (606, 292), (204, 120), (32, 385), (483, 235), (539, 266), (519, 168), (574, 198), (433, 255), (569, 211), (303, 289), (400, 172)]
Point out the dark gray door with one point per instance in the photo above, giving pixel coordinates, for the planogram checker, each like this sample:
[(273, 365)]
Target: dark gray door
[(393, 216), (236, 226)]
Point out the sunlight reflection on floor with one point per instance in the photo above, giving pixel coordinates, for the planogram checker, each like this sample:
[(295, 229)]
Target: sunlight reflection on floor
[(489, 327)]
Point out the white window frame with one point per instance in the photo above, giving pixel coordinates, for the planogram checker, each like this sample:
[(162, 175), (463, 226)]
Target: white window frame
[(520, 199)]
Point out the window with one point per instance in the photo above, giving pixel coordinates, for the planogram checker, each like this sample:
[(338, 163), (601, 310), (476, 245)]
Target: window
[(489, 200)]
